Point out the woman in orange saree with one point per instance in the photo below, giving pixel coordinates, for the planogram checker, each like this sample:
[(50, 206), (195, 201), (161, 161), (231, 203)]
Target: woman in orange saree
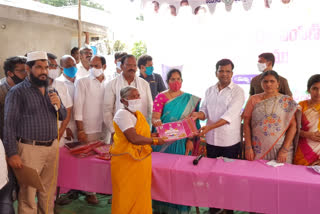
[(131, 157), (308, 151)]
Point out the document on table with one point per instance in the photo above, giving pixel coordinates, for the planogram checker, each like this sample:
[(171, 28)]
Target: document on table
[(30, 177)]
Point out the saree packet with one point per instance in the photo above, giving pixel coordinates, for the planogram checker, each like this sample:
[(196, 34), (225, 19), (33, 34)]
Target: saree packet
[(103, 152), (315, 168), (274, 163), (177, 130), (84, 150)]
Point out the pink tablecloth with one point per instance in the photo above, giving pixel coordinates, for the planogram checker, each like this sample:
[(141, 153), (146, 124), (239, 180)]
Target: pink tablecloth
[(239, 185)]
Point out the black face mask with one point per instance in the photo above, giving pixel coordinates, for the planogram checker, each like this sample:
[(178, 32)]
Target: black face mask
[(39, 83), (16, 79)]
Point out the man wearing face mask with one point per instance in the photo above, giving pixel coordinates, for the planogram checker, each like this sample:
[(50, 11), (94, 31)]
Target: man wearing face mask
[(155, 81), (30, 132), (88, 107), (61, 88), (14, 68), (265, 63), (68, 77), (84, 64), (111, 101)]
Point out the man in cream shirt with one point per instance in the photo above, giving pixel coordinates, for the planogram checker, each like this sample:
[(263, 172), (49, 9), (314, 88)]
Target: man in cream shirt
[(111, 102)]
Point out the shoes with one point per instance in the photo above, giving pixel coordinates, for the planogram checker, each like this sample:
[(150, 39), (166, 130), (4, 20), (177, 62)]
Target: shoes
[(63, 200), (92, 199)]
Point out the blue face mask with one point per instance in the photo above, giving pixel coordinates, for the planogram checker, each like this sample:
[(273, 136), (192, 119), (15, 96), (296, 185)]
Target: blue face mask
[(70, 72), (149, 70)]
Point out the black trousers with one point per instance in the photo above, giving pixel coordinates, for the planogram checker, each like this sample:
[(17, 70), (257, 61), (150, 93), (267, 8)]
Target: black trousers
[(228, 152), (6, 201)]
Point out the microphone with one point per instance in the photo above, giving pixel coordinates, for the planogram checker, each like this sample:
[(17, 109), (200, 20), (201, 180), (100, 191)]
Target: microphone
[(196, 161), (51, 90)]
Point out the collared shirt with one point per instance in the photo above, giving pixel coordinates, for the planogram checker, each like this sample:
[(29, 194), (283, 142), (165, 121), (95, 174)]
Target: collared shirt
[(68, 83), (82, 71), (256, 88), (4, 88), (88, 100), (156, 84), (29, 115), (111, 101), (3, 167), (71, 88), (225, 104)]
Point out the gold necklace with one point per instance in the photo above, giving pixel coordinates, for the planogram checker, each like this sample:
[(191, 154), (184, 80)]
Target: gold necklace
[(273, 108)]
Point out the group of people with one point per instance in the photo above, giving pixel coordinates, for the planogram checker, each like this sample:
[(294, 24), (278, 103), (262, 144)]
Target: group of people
[(124, 109)]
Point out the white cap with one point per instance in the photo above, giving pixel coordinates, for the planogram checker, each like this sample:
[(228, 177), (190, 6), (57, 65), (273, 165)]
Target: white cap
[(36, 55)]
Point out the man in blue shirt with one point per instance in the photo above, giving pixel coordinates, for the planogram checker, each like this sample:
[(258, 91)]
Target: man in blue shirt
[(155, 81), (30, 132)]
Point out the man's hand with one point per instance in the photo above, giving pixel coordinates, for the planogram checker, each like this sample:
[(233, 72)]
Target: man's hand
[(15, 162), (55, 100), (69, 134), (189, 147), (82, 137), (204, 130)]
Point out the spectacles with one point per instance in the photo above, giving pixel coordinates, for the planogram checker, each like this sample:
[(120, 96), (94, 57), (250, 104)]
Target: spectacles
[(53, 66)]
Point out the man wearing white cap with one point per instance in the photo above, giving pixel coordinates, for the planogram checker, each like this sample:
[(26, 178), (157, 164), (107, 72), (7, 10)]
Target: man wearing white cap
[(67, 101), (30, 132)]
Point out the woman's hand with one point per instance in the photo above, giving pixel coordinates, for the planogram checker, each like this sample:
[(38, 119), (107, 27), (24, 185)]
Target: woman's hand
[(314, 136), (156, 122), (189, 147), (249, 154), (317, 162), (161, 141), (282, 155)]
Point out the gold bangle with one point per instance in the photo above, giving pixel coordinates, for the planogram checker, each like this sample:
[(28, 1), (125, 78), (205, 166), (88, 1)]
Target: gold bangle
[(155, 141)]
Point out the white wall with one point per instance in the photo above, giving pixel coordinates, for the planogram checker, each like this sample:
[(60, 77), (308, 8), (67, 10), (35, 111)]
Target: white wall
[(20, 37)]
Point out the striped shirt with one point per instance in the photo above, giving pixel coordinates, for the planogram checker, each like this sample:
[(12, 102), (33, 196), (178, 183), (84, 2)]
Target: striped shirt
[(29, 115), (4, 88)]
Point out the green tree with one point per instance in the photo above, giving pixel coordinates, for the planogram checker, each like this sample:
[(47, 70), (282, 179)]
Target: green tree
[(61, 3), (139, 48), (119, 46)]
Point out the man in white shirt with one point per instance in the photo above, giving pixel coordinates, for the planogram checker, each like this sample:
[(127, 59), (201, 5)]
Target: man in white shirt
[(111, 101), (88, 99), (68, 77), (53, 73), (84, 64), (5, 190), (222, 107)]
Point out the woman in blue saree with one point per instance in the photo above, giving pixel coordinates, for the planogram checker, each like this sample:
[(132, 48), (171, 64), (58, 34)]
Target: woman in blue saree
[(170, 106)]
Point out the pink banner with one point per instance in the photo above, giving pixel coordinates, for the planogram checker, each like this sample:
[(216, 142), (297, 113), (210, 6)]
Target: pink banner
[(239, 185)]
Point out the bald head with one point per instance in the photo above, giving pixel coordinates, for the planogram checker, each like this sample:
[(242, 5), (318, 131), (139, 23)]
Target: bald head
[(67, 61)]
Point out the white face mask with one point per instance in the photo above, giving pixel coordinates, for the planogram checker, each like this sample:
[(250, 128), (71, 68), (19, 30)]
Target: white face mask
[(96, 72), (54, 73), (119, 65), (262, 66), (134, 105)]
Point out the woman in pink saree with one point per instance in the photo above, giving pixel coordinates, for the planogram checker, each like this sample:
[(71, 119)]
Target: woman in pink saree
[(269, 123), (308, 151)]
